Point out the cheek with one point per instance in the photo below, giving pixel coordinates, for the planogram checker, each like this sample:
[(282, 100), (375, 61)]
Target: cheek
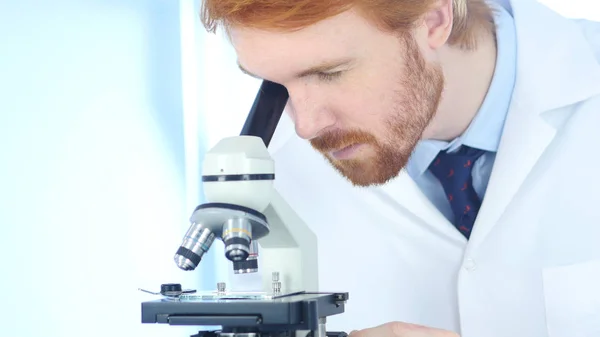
[(368, 107)]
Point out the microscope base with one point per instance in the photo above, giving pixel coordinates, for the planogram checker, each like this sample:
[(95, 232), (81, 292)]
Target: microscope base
[(225, 334), (287, 315)]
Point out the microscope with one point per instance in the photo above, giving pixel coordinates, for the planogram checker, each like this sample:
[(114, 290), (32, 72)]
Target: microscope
[(255, 224)]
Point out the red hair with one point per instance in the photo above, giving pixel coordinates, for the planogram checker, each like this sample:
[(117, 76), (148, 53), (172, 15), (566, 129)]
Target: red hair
[(470, 16)]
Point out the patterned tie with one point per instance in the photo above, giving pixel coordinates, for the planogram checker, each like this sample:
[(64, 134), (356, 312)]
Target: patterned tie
[(453, 170)]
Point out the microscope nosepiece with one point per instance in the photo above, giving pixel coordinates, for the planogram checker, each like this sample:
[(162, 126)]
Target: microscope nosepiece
[(196, 242)]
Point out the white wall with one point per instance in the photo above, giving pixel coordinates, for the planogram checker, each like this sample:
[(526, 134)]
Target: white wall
[(585, 9), (92, 165), (230, 93)]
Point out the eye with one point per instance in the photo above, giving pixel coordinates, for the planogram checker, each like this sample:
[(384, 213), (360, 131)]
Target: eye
[(329, 76)]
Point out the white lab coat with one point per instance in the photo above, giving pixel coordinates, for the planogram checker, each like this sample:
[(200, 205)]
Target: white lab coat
[(532, 265)]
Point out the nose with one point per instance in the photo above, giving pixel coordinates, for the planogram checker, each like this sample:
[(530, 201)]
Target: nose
[(309, 112)]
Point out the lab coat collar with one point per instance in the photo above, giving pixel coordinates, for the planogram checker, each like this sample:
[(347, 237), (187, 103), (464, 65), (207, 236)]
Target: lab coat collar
[(556, 68), (555, 61)]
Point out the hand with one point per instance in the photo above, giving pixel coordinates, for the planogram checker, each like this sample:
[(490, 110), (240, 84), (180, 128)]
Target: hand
[(399, 329)]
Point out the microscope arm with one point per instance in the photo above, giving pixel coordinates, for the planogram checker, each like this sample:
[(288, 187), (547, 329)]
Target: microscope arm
[(290, 249)]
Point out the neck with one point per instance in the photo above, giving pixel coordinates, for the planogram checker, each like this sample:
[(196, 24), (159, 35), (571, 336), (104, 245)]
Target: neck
[(468, 75)]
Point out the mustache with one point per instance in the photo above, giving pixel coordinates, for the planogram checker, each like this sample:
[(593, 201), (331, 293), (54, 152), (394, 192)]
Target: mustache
[(338, 139)]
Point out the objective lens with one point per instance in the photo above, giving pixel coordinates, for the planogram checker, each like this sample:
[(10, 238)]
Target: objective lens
[(237, 235), (251, 263), (196, 242)]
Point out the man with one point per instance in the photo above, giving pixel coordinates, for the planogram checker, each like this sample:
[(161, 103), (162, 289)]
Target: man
[(459, 193)]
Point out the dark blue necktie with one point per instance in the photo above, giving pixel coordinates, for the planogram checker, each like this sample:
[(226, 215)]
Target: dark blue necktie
[(453, 170)]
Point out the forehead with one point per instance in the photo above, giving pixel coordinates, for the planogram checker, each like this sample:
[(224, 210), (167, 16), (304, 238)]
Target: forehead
[(274, 54)]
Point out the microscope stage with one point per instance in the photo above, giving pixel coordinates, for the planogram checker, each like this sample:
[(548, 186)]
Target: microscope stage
[(255, 311)]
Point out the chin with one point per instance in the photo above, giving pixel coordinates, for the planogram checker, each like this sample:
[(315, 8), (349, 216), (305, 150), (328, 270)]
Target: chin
[(363, 172)]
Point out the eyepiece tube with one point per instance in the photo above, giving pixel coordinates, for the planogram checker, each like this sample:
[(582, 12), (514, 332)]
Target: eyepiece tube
[(266, 111)]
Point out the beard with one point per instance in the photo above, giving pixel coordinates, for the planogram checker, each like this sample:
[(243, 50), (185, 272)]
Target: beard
[(416, 101)]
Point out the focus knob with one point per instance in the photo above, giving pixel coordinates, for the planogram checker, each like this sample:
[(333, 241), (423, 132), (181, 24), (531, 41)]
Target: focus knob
[(170, 288)]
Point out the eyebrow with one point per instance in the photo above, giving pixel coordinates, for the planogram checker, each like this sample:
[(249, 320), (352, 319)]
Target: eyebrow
[(320, 68)]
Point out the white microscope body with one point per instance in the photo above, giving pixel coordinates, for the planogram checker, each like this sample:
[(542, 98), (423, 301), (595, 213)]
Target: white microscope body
[(244, 208), (244, 211)]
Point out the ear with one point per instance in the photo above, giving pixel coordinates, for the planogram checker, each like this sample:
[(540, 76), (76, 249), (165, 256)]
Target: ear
[(438, 22)]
